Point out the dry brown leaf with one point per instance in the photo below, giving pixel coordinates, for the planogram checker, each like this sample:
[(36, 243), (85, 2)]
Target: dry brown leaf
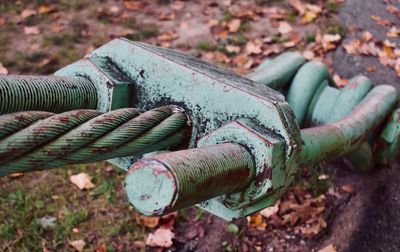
[(148, 221), (134, 5), (139, 245), (31, 30), (234, 25), (329, 248), (341, 82), (177, 5), (167, 36), (160, 238), (28, 13), (380, 21), (77, 245), (347, 188), (352, 47), (371, 69), (240, 60), (167, 16), (3, 69), (82, 181), (314, 227), (269, 211), (272, 49), (256, 220), (43, 9), (293, 212), (220, 57), (366, 36), (284, 27), (308, 17), (394, 32), (298, 6), (15, 175), (232, 48), (309, 55), (253, 47), (2, 20), (329, 41)]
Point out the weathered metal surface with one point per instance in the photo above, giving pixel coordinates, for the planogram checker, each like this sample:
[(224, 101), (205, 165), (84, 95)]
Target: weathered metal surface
[(209, 95), (251, 146), (330, 140), (388, 143), (179, 179), (83, 136), (272, 171), (45, 93), (113, 87)]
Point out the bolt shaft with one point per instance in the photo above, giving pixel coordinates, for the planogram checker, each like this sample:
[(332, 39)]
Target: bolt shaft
[(171, 181), (45, 93)]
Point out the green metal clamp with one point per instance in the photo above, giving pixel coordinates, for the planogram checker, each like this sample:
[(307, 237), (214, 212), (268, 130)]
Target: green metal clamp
[(245, 145)]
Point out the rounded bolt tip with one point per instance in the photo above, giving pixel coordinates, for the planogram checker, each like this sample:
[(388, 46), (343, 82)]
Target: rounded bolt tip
[(151, 187)]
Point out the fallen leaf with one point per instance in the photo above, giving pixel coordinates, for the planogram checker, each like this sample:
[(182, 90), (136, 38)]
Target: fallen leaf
[(4, 70), (314, 227), (148, 221), (167, 36), (101, 247), (234, 25), (160, 238), (284, 27), (269, 211), (380, 21), (31, 30), (43, 9), (232, 48), (28, 13), (371, 69), (47, 222), (78, 244), (341, 82), (82, 181), (293, 212), (177, 5), (366, 36), (298, 6), (352, 47), (253, 47), (167, 16), (256, 221), (308, 17), (347, 188), (308, 55), (329, 248), (134, 5), (394, 32), (329, 41), (2, 20), (17, 174), (240, 60), (139, 245)]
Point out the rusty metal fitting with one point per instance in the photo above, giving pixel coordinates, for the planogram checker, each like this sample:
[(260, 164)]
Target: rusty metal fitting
[(179, 179)]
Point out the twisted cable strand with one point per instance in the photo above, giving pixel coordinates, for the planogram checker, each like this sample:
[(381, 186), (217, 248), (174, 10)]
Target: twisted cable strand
[(46, 93), (83, 136)]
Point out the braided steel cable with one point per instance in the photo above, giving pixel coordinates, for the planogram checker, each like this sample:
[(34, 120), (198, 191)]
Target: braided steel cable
[(316, 100), (45, 93), (83, 136)]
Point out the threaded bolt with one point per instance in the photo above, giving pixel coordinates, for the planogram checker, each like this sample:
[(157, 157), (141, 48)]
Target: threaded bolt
[(167, 182), (46, 93)]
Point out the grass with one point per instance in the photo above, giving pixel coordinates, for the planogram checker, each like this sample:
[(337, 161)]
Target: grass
[(207, 46), (101, 213)]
